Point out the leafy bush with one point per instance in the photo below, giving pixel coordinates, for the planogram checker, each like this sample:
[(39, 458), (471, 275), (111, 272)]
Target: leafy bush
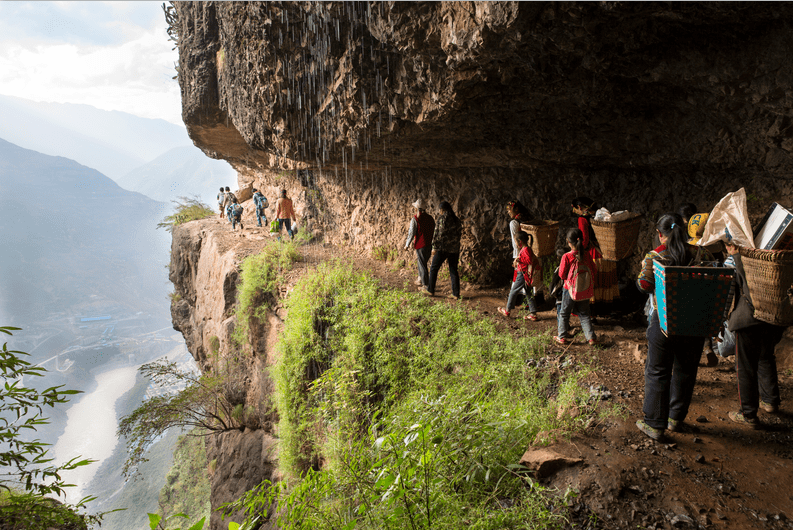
[(260, 276), (28, 474), (384, 253), (400, 413), (187, 488), (186, 209)]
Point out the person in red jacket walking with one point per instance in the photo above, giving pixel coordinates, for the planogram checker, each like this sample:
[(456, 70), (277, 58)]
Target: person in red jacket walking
[(422, 226)]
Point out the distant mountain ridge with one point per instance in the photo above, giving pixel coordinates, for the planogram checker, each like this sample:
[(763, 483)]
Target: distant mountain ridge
[(153, 157), (181, 171), (70, 232)]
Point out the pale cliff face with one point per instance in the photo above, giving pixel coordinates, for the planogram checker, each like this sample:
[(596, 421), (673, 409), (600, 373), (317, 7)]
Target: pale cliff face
[(638, 106)]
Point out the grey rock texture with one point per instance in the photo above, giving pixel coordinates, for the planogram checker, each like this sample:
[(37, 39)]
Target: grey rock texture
[(638, 105)]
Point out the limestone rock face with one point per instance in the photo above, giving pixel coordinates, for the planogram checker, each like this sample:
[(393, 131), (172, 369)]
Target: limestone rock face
[(640, 106), (205, 260)]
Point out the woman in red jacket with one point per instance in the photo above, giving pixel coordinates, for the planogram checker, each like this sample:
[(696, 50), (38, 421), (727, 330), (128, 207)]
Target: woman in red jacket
[(606, 289)]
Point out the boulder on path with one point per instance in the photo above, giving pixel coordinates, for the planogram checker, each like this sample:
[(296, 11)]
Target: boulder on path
[(546, 462)]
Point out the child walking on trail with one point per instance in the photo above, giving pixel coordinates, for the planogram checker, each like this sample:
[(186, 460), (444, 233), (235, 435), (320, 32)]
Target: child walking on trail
[(526, 266), (577, 270)]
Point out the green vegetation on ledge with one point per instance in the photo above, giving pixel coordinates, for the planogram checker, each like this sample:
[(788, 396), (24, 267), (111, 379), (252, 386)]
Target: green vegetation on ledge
[(260, 276), (397, 412), (186, 209), (186, 488)]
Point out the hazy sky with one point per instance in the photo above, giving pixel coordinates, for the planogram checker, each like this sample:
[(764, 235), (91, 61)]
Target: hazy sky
[(112, 55)]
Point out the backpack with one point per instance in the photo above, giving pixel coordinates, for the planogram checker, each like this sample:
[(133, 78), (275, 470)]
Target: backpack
[(260, 201), (236, 210), (230, 197), (580, 282)]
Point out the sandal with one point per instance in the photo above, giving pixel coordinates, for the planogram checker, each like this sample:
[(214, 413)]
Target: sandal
[(503, 311), (532, 317), (562, 340)]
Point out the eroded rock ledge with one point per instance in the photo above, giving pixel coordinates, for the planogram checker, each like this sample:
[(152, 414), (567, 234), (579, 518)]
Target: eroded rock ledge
[(638, 105), (205, 258)]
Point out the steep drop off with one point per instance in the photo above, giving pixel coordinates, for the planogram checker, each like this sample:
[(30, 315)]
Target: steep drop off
[(640, 106)]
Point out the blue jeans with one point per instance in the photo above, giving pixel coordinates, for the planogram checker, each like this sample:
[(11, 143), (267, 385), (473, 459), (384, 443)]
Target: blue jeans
[(514, 294), (437, 261), (288, 224), (669, 375), (229, 215), (422, 257), (235, 220), (563, 311), (259, 215)]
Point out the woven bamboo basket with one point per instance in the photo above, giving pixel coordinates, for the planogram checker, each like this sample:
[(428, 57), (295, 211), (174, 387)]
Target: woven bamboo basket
[(769, 274), (617, 240), (544, 234)]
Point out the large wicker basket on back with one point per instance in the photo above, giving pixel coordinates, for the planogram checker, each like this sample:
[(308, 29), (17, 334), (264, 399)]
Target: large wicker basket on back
[(544, 233), (769, 274), (618, 240)]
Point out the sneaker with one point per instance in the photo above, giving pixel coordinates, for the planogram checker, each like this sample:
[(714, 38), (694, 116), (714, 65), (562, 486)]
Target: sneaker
[(424, 290), (652, 432), (768, 407), (593, 342), (562, 340), (738, 417), (417, 281), (674, 425), (532, 316), (503, 311)]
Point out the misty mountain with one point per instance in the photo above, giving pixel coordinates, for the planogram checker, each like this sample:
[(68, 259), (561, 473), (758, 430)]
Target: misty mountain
[(181, 171), (111, 142), (71, 235)]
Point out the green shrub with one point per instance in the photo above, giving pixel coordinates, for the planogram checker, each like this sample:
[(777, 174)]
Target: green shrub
[(260, 276), (186, 209), (399, 412), (187, 485)]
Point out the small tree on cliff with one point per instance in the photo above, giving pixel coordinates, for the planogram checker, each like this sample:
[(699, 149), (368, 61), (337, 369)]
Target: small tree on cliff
[(28, 474), (209, 403), (185, 209)]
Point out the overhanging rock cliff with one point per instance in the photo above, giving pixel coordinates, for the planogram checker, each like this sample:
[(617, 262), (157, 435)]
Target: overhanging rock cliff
[(638, 105)]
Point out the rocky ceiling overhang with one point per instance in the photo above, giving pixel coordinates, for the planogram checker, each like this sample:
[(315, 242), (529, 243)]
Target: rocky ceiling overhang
[(488, 84)]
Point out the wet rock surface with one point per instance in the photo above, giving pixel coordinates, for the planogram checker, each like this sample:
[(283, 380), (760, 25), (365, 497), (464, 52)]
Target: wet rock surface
[(640, 106)]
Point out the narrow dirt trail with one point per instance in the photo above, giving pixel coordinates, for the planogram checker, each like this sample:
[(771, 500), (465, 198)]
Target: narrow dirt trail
[(714, 474)]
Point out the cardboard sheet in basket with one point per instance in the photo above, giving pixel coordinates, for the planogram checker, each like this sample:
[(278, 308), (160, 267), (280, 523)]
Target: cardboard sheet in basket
[(691, 300)]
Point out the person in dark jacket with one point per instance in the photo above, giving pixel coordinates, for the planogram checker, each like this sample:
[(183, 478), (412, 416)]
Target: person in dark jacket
[(446, 244), (755, 341), (422, 227)]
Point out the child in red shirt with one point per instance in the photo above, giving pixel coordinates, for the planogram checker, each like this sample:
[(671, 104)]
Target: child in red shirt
[(574, 264), (526, 266)]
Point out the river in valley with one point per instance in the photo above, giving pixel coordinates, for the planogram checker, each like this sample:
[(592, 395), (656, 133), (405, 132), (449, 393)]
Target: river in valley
[(91, 428)]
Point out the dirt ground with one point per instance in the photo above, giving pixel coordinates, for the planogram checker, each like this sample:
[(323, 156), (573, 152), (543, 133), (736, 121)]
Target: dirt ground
[(714, 474)]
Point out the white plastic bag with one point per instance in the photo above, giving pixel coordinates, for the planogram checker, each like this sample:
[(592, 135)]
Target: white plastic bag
[(729, 222), (602, 215)]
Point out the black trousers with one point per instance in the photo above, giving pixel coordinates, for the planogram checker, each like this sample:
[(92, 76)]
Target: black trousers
[(669, 375), (757, 374), (437, 261)]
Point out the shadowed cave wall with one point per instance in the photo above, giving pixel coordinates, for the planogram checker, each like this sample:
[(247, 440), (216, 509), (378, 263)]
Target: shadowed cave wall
[(638, 105)]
